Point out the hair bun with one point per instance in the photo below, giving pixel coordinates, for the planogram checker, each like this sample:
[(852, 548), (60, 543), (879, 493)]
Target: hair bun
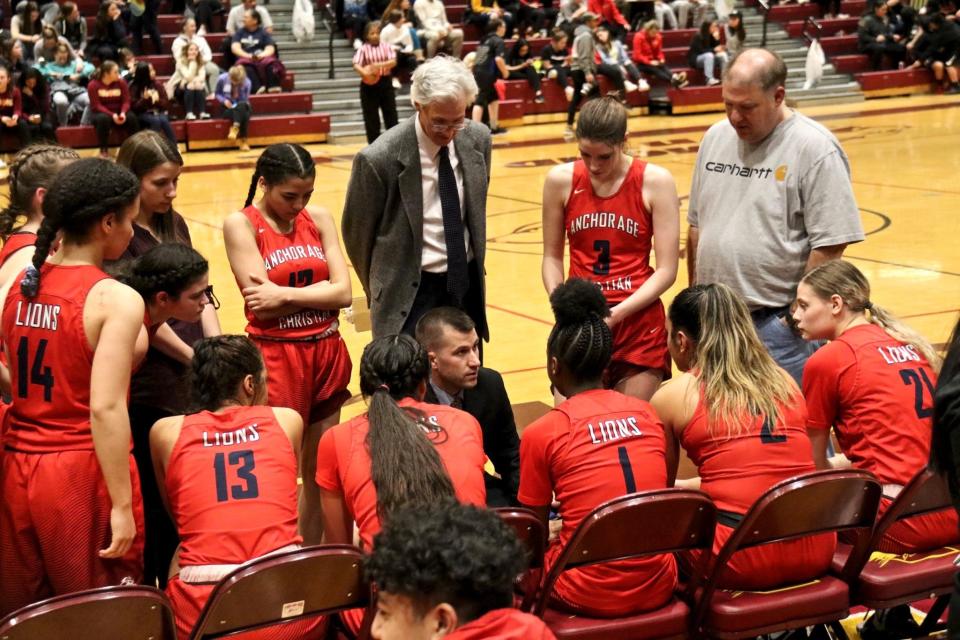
[(577, 301)]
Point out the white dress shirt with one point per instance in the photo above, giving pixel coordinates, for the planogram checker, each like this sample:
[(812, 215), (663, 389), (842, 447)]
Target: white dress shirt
[(434, 257)]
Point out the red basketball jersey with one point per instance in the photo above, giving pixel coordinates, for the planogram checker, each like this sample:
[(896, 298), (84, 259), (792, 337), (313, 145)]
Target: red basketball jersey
[(594, 447), (295, 259), (343, 461), (15, 242), (232, 486), (503, 624), (51, 360), (610, 238), (878, 395), (736, 467)]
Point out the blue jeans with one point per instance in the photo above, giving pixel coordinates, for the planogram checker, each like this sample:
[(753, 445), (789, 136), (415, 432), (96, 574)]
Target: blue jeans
[(789, 350), (708, 60)]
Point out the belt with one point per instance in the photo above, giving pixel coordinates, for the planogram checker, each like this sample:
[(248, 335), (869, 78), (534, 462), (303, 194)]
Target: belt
[(761, 314), (332, 329)]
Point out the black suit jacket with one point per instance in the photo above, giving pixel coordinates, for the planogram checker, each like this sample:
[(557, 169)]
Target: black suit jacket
[(489, 404)]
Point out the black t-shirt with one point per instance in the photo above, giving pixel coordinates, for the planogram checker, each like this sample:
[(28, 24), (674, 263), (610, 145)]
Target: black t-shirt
[(555, 57), (487, 54)]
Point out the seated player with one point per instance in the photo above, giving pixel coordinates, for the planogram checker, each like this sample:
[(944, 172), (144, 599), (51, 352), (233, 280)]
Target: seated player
[(228, 475), (741, 420), (570, 453), (873, 383), (425, 592)]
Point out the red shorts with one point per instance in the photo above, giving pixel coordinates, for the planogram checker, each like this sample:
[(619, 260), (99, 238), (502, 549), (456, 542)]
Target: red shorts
[(310, 377), (920, 533), (188, 601), (770, 565), (639, 343), (54, 518)]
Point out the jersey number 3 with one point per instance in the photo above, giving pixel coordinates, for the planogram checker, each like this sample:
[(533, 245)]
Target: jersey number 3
[(602, 266), (38, 374), (247, 487)]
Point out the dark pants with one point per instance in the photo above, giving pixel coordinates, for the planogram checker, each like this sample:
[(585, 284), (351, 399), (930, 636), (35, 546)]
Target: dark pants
[(262, 73), (612, 72), (43, 130), (204, 10), (876, 50), (21, 130), (148, 22), (375, 99), (356, 24), (659, 71), (195, 101), (240, 115), (158, 122), (530, 75), (161, 534), (432, 293), (563, 73), (103, 122)]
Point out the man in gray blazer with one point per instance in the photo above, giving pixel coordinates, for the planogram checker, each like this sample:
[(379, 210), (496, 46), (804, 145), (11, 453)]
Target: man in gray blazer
[(414, 220)]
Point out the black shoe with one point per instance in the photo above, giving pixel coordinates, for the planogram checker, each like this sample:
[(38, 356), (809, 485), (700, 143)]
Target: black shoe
[(954, 89), (889, 624), (497, 131), (539, 99)]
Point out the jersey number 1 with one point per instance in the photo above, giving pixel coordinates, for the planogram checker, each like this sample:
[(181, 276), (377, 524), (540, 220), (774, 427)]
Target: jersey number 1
[(248, 487), (38, 374), (913, 376)]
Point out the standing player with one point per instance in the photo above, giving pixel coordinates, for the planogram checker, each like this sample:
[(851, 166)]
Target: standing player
[(71, 517), (228, 475), (873, 383), (287, 260), (741, 420), (597, 445), (610, 206)]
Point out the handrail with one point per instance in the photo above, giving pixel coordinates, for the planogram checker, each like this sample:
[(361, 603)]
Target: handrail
[(330, 23), (811, 22), (765, 9)]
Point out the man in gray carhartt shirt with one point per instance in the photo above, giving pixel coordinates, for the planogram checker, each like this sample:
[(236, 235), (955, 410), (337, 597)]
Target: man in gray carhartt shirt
[(771, 199)]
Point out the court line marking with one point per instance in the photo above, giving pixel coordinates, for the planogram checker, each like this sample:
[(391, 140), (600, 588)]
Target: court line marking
[(519, 314), (930, 313), (904, 266)]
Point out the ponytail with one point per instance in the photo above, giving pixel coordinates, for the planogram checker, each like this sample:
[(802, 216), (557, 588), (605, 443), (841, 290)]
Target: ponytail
[(903, 333), (33, 168)]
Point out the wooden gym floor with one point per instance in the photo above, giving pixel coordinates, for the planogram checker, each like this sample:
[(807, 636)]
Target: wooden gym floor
[(905, 164)]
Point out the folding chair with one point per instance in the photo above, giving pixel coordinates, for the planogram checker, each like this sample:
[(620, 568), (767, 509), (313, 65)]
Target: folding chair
[(819, 502), (918, 576), (532, 534), (131, 613), (282, 587), (640, 524)]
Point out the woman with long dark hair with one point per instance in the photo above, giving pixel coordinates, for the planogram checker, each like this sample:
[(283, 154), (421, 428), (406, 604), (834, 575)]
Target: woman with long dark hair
[(149, 100), (35, 105), (110, 104)]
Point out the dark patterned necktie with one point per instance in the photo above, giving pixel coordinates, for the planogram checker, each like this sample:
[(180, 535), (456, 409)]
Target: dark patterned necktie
[(457, 402), (458, 280)]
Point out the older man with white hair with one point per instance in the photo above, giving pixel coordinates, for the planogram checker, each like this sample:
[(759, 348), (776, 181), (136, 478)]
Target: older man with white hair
[(414, 220)]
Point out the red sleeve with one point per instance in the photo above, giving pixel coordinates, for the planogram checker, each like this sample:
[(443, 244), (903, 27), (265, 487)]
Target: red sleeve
[(613, 14), (821, 383), (124, 95), (641, 50), (536, 486), (95, 105), (328, 476)]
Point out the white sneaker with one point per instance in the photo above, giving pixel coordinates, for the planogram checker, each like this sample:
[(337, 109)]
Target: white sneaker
[(202, 31), (204, 116), (396, 84), (629, 86), (586, 89), (191, 116), (643, 85), (3, 165), (569, 134), (568, 91), (712, 82)]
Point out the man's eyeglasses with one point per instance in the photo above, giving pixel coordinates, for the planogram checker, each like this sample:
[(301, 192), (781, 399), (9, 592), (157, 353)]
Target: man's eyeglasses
[(214, 301), (443, 127)]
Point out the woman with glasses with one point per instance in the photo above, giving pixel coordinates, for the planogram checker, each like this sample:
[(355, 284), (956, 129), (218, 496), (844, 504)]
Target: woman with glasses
[(160, 387)]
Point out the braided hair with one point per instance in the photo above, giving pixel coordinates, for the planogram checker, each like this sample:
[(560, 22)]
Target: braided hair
[(279, 162), (404, 464), (34, 167), (170, 268), (83, 193), (580, 339), (218, 367)]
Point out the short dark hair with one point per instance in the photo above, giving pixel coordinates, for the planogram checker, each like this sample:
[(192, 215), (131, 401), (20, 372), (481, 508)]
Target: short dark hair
[(773, 74), (493, 25), (448, 552), (430, 326)]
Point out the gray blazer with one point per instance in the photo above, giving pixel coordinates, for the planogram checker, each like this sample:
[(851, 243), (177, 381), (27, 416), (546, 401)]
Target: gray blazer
[(383, 218)]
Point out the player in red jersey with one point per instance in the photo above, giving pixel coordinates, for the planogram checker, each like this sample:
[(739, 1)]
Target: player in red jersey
[(873, 383), (610, 206), (597, 445), (741, 420), (228, 475), (425, 592), (288, 263), (71, 517)]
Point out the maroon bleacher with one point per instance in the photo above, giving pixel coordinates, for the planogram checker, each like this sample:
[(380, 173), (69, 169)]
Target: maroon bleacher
[(832, 27), (264, 130), (895, 82)]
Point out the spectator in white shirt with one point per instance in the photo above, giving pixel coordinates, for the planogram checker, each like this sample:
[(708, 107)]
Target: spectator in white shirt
[(189, 35), (235, 18), (438, 32)]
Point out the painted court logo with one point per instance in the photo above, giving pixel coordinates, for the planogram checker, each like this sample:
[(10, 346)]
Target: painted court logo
[(760, 173)]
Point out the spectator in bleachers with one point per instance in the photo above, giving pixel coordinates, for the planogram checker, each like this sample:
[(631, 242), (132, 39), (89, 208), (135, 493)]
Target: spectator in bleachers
[(489, 66), (48, 10), (520, 64), (46, 47), (373, 62), (437, 30), (72, 26), (875, 37), (11, 54), (110, 104), (396, 34), (27, 27), (109, 34), (939, 50), (35, 105), (190, 82), (189, 35), (742, 421), (610, 17), (480, 12), (406, 22), (424, 591), (570, 15), (664, 15), (735, 33), (649, 57), (67, 82), (689, 12), (356, 14), (707, 53), (233, 94), (203, 12), (11, 109), (146, 21), (555, 61), (255, 51), (149, 100), (614, 55), (902, 18), (532, 18), (127, 62), (584, 69), (236, 19)]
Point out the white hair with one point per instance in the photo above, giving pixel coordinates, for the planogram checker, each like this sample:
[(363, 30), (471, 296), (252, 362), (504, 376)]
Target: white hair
[(442, 78)]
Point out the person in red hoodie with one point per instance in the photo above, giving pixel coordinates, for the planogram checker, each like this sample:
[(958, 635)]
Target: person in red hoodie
[(427, 592), (11, 110), (110, 103), (610, 17), (648, 55)]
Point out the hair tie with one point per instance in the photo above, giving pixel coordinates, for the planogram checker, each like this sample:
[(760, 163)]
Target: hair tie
[(384, 387), (868, 306), (31, 281)]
